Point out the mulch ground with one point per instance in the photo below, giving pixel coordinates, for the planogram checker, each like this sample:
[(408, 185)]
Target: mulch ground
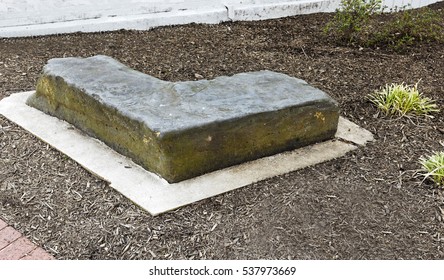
[(370, 204)]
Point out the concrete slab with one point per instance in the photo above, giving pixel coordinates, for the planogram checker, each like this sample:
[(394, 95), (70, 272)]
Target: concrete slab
[(153, 193)]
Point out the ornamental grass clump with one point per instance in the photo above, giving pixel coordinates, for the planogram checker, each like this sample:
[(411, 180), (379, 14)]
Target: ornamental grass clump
[(401, 99), (434, 165)]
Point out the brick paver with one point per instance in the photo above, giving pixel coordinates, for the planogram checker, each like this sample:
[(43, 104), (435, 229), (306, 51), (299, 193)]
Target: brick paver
[(7, 236), (14, 246), (3, 224), (17, 249), (38, 254)]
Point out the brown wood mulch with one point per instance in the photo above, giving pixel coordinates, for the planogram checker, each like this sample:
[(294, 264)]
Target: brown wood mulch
[(370, 204)]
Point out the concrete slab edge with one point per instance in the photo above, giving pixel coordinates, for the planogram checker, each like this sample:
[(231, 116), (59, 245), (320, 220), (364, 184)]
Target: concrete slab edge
[(151, 192), (353, 133)]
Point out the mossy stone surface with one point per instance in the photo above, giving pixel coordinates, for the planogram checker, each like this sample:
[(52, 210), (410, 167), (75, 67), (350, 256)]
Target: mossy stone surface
[(182, 130)]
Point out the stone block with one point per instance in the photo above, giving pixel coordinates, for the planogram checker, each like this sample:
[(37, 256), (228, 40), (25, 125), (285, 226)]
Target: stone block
[(180, 130)]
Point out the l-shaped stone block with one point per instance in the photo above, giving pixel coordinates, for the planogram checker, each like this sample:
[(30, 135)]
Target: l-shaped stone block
[(180, 130)]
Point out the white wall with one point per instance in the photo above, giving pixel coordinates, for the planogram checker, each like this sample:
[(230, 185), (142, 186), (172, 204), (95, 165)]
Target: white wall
[(40, 17), (22, 12), (410, 3)]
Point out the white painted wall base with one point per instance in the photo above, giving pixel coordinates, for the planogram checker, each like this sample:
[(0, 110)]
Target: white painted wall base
[(134, 22), (259, 10), (20, 18)]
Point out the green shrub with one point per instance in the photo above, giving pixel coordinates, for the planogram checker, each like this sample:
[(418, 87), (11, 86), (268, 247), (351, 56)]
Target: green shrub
[(403, 99), (408, 28), (434, 165), (351, 20), (355, 24)]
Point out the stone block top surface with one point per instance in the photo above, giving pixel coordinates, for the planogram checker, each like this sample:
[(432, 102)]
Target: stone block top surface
[(167, 107)]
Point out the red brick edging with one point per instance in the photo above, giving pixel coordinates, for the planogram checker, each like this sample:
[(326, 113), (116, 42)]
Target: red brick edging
[(14, 246)]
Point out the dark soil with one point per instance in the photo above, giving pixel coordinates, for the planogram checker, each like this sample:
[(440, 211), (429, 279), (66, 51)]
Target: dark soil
[(370, 204)]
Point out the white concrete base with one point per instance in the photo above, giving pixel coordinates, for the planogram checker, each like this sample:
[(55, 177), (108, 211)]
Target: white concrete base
[(44, 17), (153, 193), (135, 22), (278, 9)]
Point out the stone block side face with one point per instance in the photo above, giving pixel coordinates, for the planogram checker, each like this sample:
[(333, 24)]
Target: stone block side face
[(129, 137), (224, 144)]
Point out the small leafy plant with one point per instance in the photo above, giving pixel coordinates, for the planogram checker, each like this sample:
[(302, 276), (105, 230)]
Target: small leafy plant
[(352, 19), (402, 99), (356, 24), (434, 165), (408, 28)]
